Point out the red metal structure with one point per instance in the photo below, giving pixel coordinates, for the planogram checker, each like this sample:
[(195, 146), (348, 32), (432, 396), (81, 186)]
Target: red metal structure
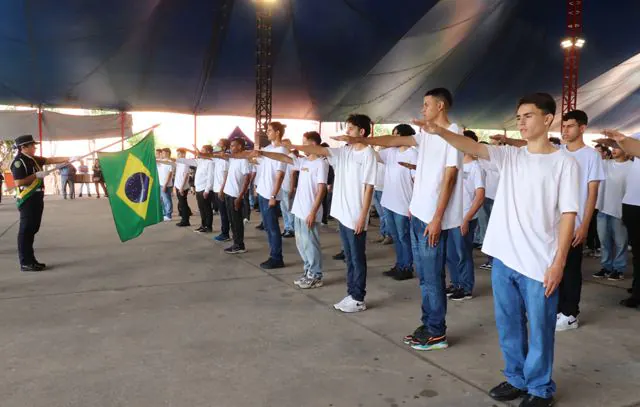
[(572, 46)]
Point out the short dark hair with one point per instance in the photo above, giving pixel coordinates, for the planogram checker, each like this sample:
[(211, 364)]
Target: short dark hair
[(361, 121), (239, 141), (208, 147), (442, 94), (326, 145), (578, 115), (404, 130), (555, 140), (542, 101), (166, 150), (313, 136), (470, 134), (279, 127), (225, 143)]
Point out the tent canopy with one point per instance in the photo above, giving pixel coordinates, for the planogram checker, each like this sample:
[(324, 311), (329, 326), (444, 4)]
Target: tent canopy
[(331, 57)]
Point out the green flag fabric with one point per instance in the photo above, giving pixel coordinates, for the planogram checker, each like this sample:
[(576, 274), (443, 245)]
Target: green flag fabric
[(131, 177)]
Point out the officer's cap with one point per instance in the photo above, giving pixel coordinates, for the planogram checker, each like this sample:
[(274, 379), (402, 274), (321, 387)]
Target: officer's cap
[(25, 140)]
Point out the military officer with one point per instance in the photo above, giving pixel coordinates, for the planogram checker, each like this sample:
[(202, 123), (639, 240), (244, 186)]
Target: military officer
[(27, 171)]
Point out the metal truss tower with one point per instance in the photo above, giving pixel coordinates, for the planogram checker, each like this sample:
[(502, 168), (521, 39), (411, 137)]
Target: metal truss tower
[(264, 71), (572, 45)]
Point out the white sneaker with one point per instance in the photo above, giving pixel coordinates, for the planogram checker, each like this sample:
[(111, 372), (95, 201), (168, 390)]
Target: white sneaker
[(298, 280), (342, 302), (167, 219), (352, 306), (565, 323), (245, 221)]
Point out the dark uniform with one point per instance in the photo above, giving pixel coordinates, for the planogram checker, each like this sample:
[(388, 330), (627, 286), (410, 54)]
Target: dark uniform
[(30, 200)]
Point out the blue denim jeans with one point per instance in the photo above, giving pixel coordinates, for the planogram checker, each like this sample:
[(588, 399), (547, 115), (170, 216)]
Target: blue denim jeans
[(430, 263), (287, 216), (167, 202), (356, 258), (377, 196), (272, 227), (460, 257), (308, 244), (400, 230), (528, 357), (613, 241)]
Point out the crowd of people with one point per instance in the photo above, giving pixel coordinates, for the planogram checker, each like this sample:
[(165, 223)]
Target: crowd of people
[(532, 202)]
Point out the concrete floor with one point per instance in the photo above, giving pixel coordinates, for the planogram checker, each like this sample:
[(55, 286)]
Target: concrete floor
[(170, 320)]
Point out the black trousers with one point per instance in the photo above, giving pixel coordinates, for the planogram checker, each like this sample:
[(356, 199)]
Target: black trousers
[(224, 216), (631, 219), (326, 207), (593, 240), (30, 219), (183, 206), (571, 285), (236, 219), (206, 212), (0, 191)]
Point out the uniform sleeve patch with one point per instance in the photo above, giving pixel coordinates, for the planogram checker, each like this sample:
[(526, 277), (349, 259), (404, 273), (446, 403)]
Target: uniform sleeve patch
[(17, 164)]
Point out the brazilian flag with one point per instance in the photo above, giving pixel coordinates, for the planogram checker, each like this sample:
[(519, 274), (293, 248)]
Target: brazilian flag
[(131, 177)]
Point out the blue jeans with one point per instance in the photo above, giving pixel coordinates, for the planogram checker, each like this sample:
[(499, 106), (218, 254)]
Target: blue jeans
[(430, 263), (272, 227), (528, 358), (167, 203), (287, 216), (613, 240), (356, 258), (400, 230), (460, 257), (483, 218), (68, 180), (308, 244), (377, 196)]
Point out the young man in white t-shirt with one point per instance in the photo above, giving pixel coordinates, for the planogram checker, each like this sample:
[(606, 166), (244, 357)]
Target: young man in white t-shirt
[(288, 192), (436, 207), (460, 239), (611, 230), (385, 236), (165, 177), (203, 183), (396, 198), (181, 185), (235, 188), (631, 208), (529, 235), (221, 168), (307, 207), (355, 177), (269, 184)]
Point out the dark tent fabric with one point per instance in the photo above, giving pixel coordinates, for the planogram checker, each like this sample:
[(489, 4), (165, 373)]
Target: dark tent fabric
[(237, 133), (331, 57)]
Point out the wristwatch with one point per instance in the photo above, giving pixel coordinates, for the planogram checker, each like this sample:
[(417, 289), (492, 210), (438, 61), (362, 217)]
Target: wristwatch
[(273, 197)]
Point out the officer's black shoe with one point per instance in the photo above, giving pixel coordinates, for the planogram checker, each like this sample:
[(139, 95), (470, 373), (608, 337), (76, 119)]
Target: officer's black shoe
[(30, 268), (41, 265)]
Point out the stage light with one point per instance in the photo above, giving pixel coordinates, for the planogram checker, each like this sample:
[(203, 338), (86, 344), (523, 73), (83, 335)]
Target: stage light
[(580, 42), (568, 43)]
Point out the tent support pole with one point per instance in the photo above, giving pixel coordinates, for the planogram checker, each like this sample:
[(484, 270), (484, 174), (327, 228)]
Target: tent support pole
[(40, 128), (122, 117), (195, 129)]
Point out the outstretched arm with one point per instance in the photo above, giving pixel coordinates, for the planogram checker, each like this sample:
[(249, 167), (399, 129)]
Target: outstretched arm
[(458, 141), (501, 138), (316, 150), (274, 156), (629, 145), (382, 141)]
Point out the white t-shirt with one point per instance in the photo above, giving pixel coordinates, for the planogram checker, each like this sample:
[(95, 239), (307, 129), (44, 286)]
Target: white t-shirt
[(311, 174), (164, 170), (398, 179), (286, 182), (221, 166), (182, 176), (473, 178), (238, 168), (205, 168), (353, 170), (534, 191), (266, 178), (492, 178), (434, 156), (591, 169), (380, 170), (632, 188), (612, 190)]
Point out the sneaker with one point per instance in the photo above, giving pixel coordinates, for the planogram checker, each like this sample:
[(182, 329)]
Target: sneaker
[(235, 249), (245, 221), (597, 253), (380, 239), (387, 241), (486, 266), (403, 274), (351, 306), (260, 226), (25, 268), (206, 230), (534, 401), (288, 234), (616, 276), (418, 334), (222, 238), (460, 295), (272, 264), (339, 256), (433, 343), (630, 303), (450, 290), (342, 302), (166, 218), (602, 273), (391, 272), (565, 323), (181, 224), (201, 229), (506, 392), (630, 290), (311, 282), (298, 280), (324, 224)]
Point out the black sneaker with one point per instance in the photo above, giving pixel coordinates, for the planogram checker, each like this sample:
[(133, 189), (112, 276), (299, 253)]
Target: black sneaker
[(26, 268), (339, 256), (460, 295), (431, 343), (417, 335), (450, 290), (41, 265), (272, 264), (207, 230), (506, 392), (602, 273), (391, 272), (616, 276), (403, 274), (630, 302), (181, 224), (535, 401), (260, 226), (201, 229), (288, 234), (235, 249)]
